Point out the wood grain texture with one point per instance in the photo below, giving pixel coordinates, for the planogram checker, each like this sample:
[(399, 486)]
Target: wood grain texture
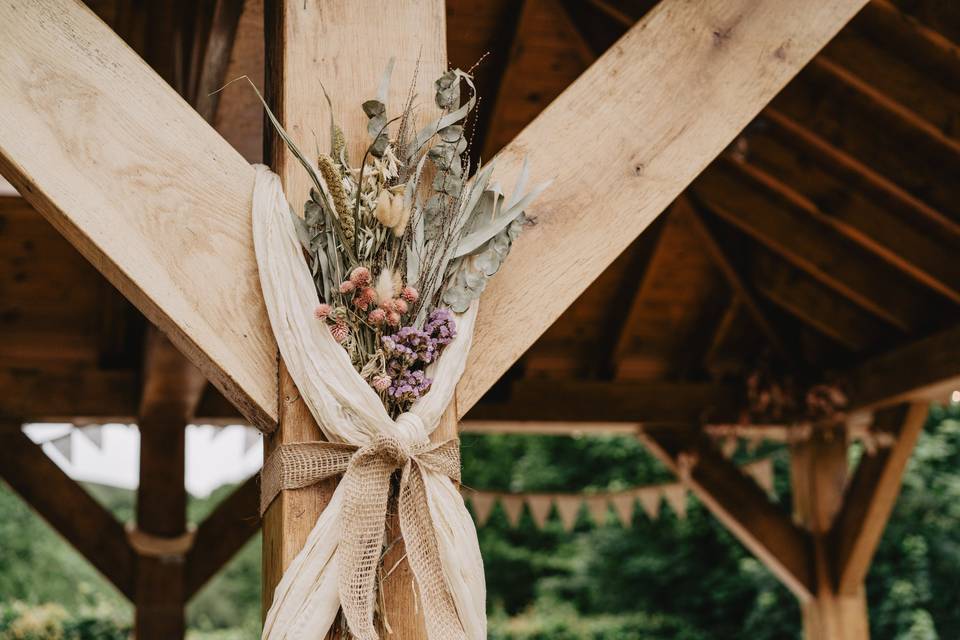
[(624, 140), (870, 499), (146, 190), (346, 45)]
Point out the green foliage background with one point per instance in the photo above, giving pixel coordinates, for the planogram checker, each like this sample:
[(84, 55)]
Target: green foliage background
[(665, 579)]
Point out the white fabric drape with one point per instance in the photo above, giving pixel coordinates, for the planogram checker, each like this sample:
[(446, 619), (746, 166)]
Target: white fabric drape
[(306, 600)]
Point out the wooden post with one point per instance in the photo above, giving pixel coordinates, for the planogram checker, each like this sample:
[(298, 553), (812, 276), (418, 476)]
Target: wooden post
[(161, 512), (346, 44), (818, 472)]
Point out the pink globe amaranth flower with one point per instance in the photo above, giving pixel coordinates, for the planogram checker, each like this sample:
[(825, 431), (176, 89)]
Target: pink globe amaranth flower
[(366, 297), (381, 382), (340, 332), (322, 311), (377, 316), (400, 306), (393, 319), (410, 294), (360, 276), (347, 286)]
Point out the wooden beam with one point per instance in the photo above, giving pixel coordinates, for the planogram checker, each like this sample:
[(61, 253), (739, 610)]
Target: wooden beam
[(80, 519), (818, 472), (300, 40), (928, 370), (870, 499), (172, 386), (742, 196), (120, 165), (78, 396), (632, 402), (222, 534), (803, 171), (740, 505), (724, 58)]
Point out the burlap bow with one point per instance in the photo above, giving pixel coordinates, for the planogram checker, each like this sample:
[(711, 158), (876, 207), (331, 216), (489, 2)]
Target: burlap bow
[(366, 491)]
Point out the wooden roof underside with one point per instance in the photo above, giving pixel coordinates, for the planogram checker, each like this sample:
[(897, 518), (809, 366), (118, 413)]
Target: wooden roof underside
[(825, 238)]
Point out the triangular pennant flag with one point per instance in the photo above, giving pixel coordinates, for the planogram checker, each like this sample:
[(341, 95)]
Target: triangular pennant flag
[(753, 443), (729, 446), (539, 505), (676, 497), (599, 510), (623, 505), (64, 444), (94, 433), (569, 509), (762, 472), (513, 507), (650, 501), (251, 437), (482, 506)]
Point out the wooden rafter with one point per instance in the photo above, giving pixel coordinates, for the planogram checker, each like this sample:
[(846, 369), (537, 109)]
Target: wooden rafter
[(806, 175), (739, 504), (870, 499), (743, 196), (624, 319), (215, 56), (80, 519), (738, 284)]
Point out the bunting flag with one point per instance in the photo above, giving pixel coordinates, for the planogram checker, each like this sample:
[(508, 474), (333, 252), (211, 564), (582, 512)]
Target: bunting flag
[(676, 497), (94, 433), (599, 509), (623, 505), (539, 506), (762, 472), (482, 506), (512, 507), (569, 506), (650, 501), (64, 444), (729, 446)]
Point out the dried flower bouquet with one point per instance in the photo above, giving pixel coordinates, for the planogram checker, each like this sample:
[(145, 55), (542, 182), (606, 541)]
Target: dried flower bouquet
[(400, 242)]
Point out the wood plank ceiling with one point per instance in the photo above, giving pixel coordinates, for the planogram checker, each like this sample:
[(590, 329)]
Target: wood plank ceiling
[(825, 235)]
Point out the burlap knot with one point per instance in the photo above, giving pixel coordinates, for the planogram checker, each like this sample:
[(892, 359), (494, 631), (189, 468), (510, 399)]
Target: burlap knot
[(366, 492)]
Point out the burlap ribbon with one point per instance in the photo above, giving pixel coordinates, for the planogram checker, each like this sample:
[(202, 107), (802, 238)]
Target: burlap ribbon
[(366, 490)]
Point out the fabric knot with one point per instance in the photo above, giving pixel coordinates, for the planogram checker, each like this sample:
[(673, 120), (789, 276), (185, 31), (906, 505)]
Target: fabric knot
[(390, 450), (366, 493)]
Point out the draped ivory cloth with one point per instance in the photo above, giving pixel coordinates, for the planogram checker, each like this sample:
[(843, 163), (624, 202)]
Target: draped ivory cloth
[(350, 413)]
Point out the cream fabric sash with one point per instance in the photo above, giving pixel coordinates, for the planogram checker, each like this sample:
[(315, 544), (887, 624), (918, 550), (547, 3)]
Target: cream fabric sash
[(349, 412)]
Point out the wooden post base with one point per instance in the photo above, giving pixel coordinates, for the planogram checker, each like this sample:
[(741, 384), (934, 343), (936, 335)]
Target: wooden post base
[(832, 616), (818, 473)]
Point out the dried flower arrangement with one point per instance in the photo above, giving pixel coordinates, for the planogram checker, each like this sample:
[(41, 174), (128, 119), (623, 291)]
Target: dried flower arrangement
[(395, 245)]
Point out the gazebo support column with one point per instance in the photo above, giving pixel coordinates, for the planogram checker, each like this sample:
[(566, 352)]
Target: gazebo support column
[(346, 44), (818, 473), (161, 513), (824, 555)]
